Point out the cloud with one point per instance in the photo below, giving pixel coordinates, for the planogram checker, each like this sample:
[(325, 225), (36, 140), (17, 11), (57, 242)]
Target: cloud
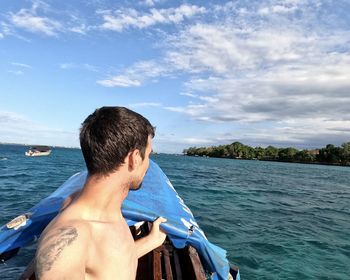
[(279, 93), (283, 64), (284, 7), (22, 65), (202, 141), (222, 49), (6, 118), (43, 19), (151, 3), (127, 18), (67, 65), (5, 29), (84, 66), (29, 20), (310, 133), (288, 134), (145, 104), (16, 72), (81, 29), (193, 110), (16, 128), (119, 81), (136, 74), (171, 143), (8, 29)]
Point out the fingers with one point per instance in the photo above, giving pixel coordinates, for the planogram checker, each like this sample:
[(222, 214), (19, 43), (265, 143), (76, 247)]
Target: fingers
[(159, 220)]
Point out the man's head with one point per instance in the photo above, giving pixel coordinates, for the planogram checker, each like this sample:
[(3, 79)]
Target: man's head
[(110, 135)]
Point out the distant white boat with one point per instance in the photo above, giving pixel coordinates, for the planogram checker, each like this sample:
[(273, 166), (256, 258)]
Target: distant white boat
[(37, 151)]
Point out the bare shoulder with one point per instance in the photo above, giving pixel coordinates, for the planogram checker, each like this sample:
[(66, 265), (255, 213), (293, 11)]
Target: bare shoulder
[(62, 249)]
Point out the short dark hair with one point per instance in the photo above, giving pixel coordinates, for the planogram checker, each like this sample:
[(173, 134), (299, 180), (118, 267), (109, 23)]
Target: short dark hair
[(109, 134)]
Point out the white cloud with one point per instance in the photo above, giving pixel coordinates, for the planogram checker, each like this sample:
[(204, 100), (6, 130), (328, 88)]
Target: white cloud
[(9, 117), (19, 68), (16, 128), (151, 3), (310, 133), (119, 81), (23, 65), (145, 104), (16, 72), (136, 74), (67, 65), (8, 29), (222, 49), (193, 110), (125, 18), (197, 141), (289, 134), (273, 63), (280, 93), (43, 19), (279, 9), (173, 143), (90, 67), (5, 29), (84, 66), (28, 19), (81, 29)]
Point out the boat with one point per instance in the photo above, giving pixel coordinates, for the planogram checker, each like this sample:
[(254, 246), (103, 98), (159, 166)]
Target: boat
[(36, 151), (186, 254)]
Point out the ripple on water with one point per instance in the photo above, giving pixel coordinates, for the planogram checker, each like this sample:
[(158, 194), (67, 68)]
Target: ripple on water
[(276, 221)]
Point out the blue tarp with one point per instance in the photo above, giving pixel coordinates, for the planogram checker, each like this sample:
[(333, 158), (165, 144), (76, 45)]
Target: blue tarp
[(157, 197)]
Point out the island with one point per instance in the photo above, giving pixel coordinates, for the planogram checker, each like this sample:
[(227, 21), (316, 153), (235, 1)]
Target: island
[(331, 154)]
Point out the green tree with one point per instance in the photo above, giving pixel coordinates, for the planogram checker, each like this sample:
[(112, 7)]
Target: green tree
[(259, 153), (345, 153), (271, 152), (304, 156), (236, 150), (287, 154), (218, 152), (330, 154)]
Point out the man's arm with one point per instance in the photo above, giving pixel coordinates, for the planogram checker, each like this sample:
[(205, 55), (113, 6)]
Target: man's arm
[(62, 252), (153, 240)]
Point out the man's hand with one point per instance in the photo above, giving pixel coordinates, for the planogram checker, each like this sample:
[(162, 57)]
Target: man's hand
[(157, 235), (153, 240)]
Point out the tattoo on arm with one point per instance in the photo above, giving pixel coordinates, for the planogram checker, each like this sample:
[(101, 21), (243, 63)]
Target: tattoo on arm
[(51, 247)]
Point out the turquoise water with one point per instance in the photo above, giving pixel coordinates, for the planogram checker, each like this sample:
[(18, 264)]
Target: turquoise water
[(276, 220)]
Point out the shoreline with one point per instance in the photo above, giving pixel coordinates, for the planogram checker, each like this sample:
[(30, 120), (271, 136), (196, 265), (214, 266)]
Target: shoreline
[(30, 145), (272, 160)]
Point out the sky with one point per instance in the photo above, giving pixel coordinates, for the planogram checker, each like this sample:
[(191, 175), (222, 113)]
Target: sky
[(203, 72)]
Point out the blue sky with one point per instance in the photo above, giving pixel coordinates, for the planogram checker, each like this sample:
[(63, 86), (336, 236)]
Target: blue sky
[(203, 72)]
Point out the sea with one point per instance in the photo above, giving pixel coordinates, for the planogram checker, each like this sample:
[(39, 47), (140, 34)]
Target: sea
[(275, 220)]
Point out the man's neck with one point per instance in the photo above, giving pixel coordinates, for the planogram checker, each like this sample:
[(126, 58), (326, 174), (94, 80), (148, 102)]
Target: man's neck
[(102, 197)]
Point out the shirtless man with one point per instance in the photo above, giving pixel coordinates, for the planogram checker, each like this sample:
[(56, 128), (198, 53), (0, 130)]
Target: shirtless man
[(90, 239)]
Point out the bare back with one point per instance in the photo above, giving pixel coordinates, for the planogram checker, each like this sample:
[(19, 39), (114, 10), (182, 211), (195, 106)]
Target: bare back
[(75, 248), (112, 254)]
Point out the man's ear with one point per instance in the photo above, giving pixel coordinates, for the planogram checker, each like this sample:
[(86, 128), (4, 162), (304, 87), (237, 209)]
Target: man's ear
[(134, 159)]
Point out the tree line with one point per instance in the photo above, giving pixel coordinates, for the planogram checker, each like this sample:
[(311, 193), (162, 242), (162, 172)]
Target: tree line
[(328, 155)]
